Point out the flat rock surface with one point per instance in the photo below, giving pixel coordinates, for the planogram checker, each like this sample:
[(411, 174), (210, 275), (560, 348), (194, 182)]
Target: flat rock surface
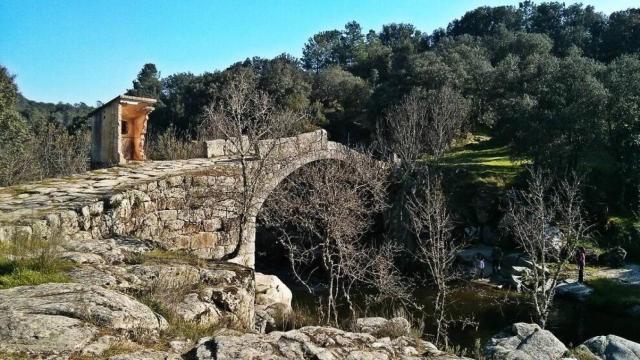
[(147, 355), (574, 289), (313, 342), (381, 327), (54, 318)]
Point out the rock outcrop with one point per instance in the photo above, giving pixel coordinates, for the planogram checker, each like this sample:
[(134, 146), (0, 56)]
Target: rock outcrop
[(59, 318), (271, 292), (313, 342), (381, 327), (574, 289), (147, 355), (116, 250), (273, 301), (523, 341), (208, 294), (611, 347)]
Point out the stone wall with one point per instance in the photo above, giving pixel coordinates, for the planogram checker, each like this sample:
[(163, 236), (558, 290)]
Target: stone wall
[(191, 212)]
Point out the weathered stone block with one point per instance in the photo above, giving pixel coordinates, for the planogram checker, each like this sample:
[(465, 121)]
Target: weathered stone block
[(235, 146), (69, 221), (53, 220), (167, 215), (214, 148), (180, 241), (184, 214), (175, 180), (204, 240), (174, 224), (212, 224), (41, 228), (152, 186)]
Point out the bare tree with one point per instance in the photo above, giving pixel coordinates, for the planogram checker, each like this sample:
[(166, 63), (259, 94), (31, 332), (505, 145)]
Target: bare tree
[(448, 113), (424, 123), (321, 214), (247, 119), (530, 216), (421, 127), (432, 225)]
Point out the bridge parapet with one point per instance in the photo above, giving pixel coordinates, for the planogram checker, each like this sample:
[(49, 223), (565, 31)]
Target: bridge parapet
[(277, 148)]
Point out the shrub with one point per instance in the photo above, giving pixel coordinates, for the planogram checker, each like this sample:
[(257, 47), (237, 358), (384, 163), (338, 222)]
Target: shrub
[(169, 145), (624, 232), (299, 316), (46, 150)]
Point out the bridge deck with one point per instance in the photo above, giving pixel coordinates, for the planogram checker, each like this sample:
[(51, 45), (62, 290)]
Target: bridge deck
[(35, 199)]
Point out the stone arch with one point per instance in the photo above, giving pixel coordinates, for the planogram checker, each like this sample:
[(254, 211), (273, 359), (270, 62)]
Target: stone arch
[(330, 151)]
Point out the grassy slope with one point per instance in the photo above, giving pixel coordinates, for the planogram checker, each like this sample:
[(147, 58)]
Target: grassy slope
[(487, 162)]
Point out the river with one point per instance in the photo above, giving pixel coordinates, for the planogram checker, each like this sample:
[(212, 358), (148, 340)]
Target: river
[(493, 310)]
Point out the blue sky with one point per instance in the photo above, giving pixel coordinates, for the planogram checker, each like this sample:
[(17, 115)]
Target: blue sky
[(89, 50)]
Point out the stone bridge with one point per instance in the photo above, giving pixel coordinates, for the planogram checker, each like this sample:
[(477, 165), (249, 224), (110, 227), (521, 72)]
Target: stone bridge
[(189, 205)]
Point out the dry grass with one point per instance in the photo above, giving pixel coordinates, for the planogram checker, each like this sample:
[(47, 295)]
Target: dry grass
[(581, 353), (16, 356), (179, 327), (165, 294), (300, 316)]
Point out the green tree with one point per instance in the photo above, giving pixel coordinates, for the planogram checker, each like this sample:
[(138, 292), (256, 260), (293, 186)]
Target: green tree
[(471, 74), (553, 109), (285, 81), (352, 44), (322, 50), (399, 35), (487, 20), (374, 61), (148, 83), (622, 80), (14, 133), (342, 97), (622, 35), (174, 97)]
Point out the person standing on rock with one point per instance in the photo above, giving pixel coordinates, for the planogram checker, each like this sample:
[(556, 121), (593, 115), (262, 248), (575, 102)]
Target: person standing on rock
[(581, 258), (480, 265)]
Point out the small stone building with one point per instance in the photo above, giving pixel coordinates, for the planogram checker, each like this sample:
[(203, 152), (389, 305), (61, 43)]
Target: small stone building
[(118, 130)]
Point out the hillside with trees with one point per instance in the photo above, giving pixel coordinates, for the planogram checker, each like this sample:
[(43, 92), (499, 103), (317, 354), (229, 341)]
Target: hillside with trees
[(556, 83), (510, 113)]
